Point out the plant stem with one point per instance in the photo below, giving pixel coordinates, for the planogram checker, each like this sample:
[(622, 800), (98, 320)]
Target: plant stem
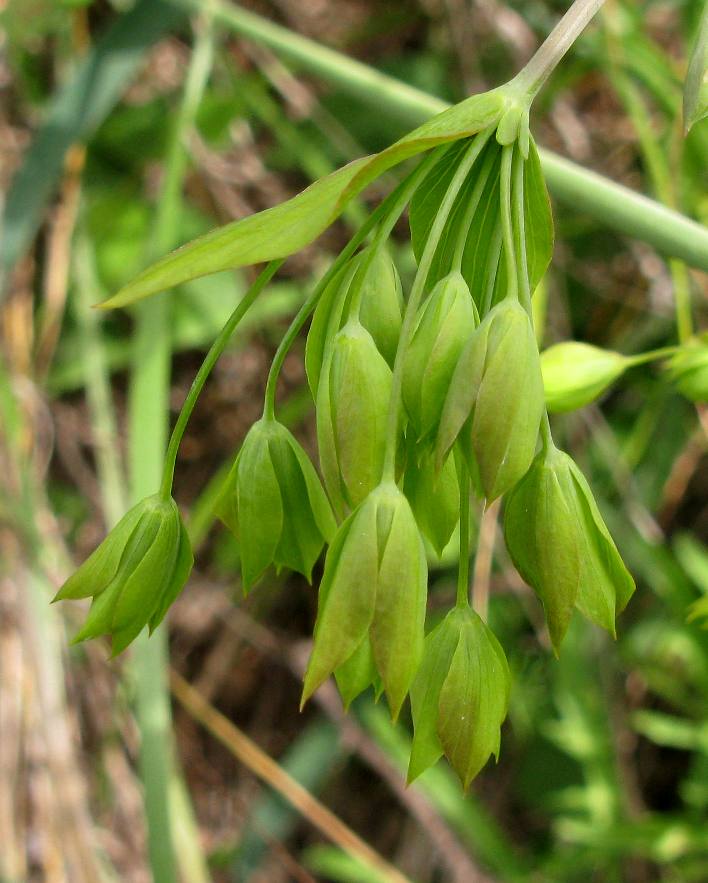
[(611, 204), (386, 214), (520, 234), (483, 559), (512, 280), (204, 371), (652, 355), (417, 289), (463, 567), (555, 46)]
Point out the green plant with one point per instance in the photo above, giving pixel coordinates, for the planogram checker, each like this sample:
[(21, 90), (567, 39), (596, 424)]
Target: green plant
[(482, 234)]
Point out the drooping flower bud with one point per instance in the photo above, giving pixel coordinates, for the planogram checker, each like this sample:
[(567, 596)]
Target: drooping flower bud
[(374, 584), (434, 498), (560, 545), (352, 411), (444, 325), (575, 374), (687, 369), (134, 575), (495, 400), (381, 301), (274, 503), (459, 697)]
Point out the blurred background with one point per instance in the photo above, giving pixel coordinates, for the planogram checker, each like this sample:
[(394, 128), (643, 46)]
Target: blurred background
[(127, 128)]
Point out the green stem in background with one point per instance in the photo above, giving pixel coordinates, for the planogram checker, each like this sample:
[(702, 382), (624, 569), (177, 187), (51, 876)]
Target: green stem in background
[(519, 226), (204, 371), (652, 355), (438, 226), (582, 190), (512, 279), (554, 47), (387, 214), (657, 169), (147, 434), (463, 567)]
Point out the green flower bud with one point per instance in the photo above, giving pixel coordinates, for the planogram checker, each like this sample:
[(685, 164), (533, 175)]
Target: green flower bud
[(381, 302), (687, 369), (274, 503), (357, 673), (444, 325), (575, 374), (459, 697), (434, 498), (352, 415), (134, 575), (374, 585), (495, 399), (560, 545)]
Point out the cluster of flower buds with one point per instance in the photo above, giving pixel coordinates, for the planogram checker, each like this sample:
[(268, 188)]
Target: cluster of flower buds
[(418, 398)]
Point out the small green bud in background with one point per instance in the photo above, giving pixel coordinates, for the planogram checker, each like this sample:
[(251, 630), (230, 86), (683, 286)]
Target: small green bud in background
[(687, 369), (352, 410), (445, 323), (575, 374), (381, 307), (375, 585), (434, 497), (274, 503), (495, 400), (134, 575), (560, 545), (459, 697)]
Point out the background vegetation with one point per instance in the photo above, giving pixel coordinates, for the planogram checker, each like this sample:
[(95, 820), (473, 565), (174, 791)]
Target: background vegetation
[(127, 128)]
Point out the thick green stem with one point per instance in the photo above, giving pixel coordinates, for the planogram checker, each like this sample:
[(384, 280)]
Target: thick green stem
[(554, 47), (611, 204), (463, 568), (210, 360), (417, 289)]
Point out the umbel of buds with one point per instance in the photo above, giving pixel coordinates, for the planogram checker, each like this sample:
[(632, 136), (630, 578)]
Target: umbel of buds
[(418, 399), (134, 575)]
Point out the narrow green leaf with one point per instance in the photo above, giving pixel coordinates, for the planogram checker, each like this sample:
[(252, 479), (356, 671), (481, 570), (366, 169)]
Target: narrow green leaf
[(695, 91), (284, 229)]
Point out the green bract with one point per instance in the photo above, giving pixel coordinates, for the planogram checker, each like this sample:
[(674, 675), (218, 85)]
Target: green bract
[(459, 697), (495, 400), (575, 374), (445, 323), (134, 575), (687, 369), (560, 545), (275, 504), (374, 586), (352, 408)]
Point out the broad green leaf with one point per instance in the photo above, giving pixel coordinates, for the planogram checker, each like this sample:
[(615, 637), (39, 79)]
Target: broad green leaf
[(695, 91), (284, 229)]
